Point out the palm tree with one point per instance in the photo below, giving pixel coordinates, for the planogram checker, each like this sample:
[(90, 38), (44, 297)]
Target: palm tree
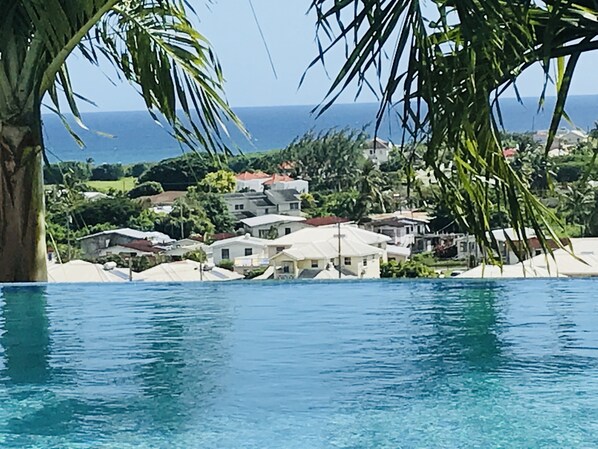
[(152, 45), (370, 186), (578, 204), (446, 63)]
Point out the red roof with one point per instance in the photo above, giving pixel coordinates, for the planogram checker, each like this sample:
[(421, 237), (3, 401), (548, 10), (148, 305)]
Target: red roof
[(141, 245), (509, 152), (278, 178), (325, 221), (248, 176), (222, 236), (287, 165)]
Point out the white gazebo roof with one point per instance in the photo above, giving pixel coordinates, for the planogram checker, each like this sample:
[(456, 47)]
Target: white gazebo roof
[(186, 271), (77, 271)]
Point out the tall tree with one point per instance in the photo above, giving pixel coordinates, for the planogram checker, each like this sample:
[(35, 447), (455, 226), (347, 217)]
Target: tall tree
[(151, 44), (446, 63)]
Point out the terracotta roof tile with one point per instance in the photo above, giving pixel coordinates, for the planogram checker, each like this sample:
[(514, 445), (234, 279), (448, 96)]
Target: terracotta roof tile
[(325, 221), (248, 176), (278, 178)]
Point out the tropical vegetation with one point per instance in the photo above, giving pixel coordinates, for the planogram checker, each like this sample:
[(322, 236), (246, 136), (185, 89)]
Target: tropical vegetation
[(152, 44)]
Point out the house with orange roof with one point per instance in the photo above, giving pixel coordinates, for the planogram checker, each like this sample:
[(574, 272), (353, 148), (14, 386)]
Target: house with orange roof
[(260, 181)]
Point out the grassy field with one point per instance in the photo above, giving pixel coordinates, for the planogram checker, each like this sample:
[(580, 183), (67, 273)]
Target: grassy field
[(124, 184)]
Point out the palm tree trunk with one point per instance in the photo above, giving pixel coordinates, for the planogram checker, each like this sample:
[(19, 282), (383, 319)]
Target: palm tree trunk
[(22, 224)]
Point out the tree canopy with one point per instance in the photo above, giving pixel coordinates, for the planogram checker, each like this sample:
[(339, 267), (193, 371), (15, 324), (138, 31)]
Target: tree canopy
[(445, 64)]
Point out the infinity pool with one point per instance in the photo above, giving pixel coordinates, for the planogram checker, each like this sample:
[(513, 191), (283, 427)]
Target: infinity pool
[(445, 364)]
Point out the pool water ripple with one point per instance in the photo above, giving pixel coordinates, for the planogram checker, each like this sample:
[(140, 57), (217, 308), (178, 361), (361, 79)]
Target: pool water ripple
[(439, 364)]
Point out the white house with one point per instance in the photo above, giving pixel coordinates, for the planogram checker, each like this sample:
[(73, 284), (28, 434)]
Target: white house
[(273, 225), (260, 181), (284, 182), (251, 181), (247, 247), (563, 139), (401, 230), (505, 239), (325, 233), (377, 150), (307, 260), (301, 254), (254, 204)]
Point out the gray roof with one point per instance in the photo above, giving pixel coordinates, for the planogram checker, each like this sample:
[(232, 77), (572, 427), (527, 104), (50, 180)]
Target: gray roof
[(283, 196)]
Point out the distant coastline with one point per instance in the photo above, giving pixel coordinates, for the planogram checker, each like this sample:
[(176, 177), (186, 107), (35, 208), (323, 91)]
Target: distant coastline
[(139, 139)]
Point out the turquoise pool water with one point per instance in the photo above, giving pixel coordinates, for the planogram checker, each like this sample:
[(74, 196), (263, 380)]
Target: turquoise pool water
[(300, 365)]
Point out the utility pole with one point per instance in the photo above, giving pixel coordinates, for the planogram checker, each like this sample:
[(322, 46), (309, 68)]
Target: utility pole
[(131, 267), (182, 225), (68, 233), (339, 249)]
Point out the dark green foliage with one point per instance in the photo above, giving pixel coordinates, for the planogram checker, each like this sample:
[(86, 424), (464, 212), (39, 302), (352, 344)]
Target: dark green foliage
[(181, 172), (570, 171), (407, 269), (66, 172), (267, 161), (114, 211), (145, 189), (136, 170), (255, 273), (107, 172), (227, 265), (330, 161), (215, 208), (198, 255), (138, 263), (185, 220)]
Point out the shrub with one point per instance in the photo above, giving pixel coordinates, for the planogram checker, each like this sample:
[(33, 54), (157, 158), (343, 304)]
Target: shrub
[(146, 189), (179, 173), (570, 171), (227, 265), (255, 273), (114, 211), (108, 172), (408, 269), (198, 255), (62, 172), (138, 169)]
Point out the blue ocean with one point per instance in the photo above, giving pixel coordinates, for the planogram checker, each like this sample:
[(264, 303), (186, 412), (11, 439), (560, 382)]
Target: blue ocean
[(137, 138)]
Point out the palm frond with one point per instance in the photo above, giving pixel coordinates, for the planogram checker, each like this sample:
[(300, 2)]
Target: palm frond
[(152, 44), (451, 61)]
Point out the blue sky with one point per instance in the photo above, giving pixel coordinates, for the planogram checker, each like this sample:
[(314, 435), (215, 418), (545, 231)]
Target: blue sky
[(290, 34)]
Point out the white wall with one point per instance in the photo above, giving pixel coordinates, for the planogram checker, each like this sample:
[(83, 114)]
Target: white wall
[(237, 249), (300, 185), (294, 226)]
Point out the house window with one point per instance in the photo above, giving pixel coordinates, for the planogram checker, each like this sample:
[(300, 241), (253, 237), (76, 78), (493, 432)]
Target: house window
[(266, 211), (365, 262), (314, 264), (248, 251), (239, 206), (463, 246), (372, 152), (287, 231), (263, 233), (294, 206), (286, 269), (225, 253), (347, 261)]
